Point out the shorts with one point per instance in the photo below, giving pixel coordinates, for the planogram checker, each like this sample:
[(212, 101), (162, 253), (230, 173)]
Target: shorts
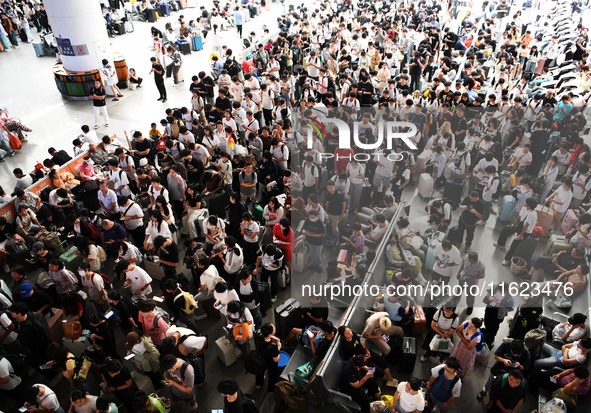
[(380, 180)]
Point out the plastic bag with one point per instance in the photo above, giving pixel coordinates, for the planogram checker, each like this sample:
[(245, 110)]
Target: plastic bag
[(554, 406)]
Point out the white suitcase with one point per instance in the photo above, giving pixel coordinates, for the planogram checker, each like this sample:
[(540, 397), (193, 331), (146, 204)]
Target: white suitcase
[(426, 186), (226, 352), (284, 278), (154, 269)]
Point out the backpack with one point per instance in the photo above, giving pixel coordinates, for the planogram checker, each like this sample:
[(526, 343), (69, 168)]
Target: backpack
[(248, 404), (102, 256), (331, 85), (198, 368), (254, 362), (232, 67), (160, 313), (108, 284), (453, 382), (190, 303)]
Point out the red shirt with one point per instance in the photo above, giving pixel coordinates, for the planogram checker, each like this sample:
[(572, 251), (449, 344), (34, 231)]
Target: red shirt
[(342, 157), (286, 248), (581, 389)]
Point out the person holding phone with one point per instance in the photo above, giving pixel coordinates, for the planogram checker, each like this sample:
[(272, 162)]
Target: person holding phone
[(40, 398), (358, 382)]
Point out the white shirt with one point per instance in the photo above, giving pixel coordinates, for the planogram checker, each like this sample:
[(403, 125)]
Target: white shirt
[(447, 262), (354, 171), (131, 211), (581, 192), (410, 402), (152, 231), (528, 217), (562, 196), (48, 400), (91, 138), (456, 390), (5, 371), (445, 323), (119, 178), (309, 173), (192, 343), (139, 278), (234, 260), (210, 278), (108, 199), (224, 298), (5, 324)]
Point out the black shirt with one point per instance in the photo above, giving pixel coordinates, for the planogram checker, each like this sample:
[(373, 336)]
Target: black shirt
[(223, 103), (351, 348), (468, 217), (170, 253), (334, 203), (158, 67), (269, 351), (509, 396), (315, 227), (61, 157), (98, 92), (195, 169), (350, 375), (504, 351)]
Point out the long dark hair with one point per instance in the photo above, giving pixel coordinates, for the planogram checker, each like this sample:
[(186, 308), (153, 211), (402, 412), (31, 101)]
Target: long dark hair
[(285, 223), (160, 199), (158, 215)]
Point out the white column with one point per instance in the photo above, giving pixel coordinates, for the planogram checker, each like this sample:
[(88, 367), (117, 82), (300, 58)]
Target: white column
[(80, 32)]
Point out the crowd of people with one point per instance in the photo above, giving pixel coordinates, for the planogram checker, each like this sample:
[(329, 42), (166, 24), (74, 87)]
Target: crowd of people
[(242, 189)]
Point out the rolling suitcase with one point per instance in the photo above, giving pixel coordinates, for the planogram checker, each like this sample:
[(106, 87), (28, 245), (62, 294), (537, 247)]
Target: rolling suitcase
[(56, 331), (129, 26), (71, 259), (419, 322), (426, 185), (409, 355), (225, 351), (38, 47), (429, 259), (453, 191), (298, 259), (506, 210), (182, 4), (526, 248), (287, 316), (185, 48), (545, 218), (556, 243), (153, 269), (265, 297), (365, 194), (283, 278), (120, 28), (540, 67), (197, 43), (209, 309), (454, 236), (217, 204), (570, 220)]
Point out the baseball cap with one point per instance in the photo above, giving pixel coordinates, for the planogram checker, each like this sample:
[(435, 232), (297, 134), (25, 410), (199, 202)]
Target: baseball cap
[(143, 162), (26, 290)]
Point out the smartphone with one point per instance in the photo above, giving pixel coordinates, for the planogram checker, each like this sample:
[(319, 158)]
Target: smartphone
[(109, 314), (371, 370), (23, 409), (310, 334), (164, 383), (157, 299), (552, 380), (386, 338), (45, 367), (219, 306), (129, 356)]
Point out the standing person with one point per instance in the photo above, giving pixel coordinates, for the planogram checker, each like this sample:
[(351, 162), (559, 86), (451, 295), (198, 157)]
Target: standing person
[(110, 78), (314, 232), (472, 209), (271, 262), (174, 67), (98, 95), (180, 376), (471, 341), (447, 258), (471, 272), (445, 384), (498, 304), (560, 200), (158, 71), (269, 348), (239, 20)]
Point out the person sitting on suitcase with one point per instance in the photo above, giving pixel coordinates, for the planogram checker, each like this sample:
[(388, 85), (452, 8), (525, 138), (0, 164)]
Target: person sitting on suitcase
[(472, 209), (378, 328), (523, 227)]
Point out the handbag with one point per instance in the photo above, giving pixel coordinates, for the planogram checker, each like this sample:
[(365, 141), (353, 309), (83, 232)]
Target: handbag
[(72, 329), (440, 344), (304, 372), (14, 142)]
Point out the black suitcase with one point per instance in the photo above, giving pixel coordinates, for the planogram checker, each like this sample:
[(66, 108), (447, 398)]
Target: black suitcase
[(365, 197), (264, 297), (409, 355), (217, 204), (120, 28), (525, 320), (287, 316), (186, 48), (453, 191), (454, 236), (151, 15)]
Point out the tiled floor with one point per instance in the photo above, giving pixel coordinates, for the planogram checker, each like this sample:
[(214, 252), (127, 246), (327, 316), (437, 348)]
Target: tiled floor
[(29, 92)]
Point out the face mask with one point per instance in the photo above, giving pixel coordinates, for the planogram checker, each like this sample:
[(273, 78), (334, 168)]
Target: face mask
[(82, 273), (313, 219)]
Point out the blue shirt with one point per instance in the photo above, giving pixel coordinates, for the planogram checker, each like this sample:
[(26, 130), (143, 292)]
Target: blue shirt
[(239, 18)]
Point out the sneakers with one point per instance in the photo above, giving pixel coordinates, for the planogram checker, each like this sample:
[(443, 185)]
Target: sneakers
[(469, 310), (106, 124), (481, 222), (115, 99), (480, 395), (392, 383), (499, 246), (424, 358), (466, 248), (273, 299), (96, 126), (505, 263)]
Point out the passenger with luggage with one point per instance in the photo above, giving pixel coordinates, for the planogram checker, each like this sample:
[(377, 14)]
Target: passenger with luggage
[(472, 209)]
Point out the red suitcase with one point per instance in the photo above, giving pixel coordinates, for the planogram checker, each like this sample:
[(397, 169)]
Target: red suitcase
[(343, 256), (570, 220), (419, 322)]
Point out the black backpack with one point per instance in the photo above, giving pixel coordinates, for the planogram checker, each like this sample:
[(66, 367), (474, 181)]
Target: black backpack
[(198, 368), (232, 67), (254, 362), (248, 404)]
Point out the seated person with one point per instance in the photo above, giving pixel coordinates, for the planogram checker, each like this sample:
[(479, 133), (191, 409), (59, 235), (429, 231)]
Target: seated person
[(509, 356), (557, 263), (377, 230), (351, 346), (398, 258), (378, 329), (356, 380), (570, 355), (399, 309), (573, 282), (355, 243), (571, 330), (315, 339), (569, 384), (408, 397)]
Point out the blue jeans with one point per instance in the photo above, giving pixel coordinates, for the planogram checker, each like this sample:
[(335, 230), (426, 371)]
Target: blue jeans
[(554, 358)]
